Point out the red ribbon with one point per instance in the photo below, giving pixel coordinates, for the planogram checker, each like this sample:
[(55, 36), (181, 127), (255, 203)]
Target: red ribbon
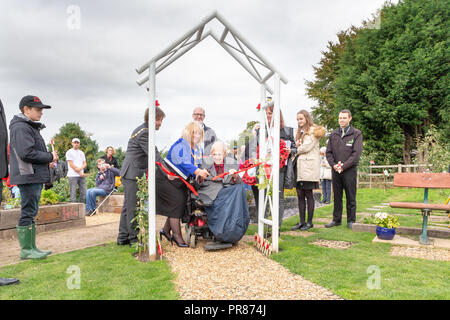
[(244, 170), (177, 176)]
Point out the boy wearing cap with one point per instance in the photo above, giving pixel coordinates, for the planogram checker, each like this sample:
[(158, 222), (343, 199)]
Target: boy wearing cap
[(29, 165), (76, 163)]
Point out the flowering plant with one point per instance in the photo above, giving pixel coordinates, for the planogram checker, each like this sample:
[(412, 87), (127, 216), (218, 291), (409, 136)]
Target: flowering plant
[(385, 220)]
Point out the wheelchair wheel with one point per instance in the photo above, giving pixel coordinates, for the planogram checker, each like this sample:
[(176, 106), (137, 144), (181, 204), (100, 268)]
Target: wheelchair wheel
[(187, 230), (193, 241)]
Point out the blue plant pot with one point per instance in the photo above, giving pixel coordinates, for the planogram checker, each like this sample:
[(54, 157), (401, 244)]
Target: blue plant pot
[(385, 233)]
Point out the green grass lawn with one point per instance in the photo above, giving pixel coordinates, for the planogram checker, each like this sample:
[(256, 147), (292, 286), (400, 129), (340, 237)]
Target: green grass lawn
[(346, 272), (106, 272), (111, 272)]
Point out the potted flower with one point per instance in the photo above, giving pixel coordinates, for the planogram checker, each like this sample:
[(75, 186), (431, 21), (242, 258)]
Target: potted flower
[(386, 224)]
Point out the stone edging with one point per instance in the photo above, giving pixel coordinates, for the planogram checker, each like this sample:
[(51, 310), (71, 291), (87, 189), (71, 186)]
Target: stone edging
[(436, 233)]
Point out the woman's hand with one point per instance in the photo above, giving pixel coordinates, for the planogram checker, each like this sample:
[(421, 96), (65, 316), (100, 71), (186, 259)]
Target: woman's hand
[(298, 143), (171, 178), (203, 173), (233, 174)]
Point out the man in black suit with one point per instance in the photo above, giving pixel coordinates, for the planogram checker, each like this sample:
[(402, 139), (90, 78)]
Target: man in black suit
[(134, 166), (4, 170), (344, 149)]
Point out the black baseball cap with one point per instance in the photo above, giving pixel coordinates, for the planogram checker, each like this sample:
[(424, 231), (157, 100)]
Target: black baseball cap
[(32, 101)]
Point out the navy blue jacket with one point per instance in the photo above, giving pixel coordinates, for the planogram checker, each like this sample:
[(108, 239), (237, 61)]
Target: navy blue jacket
[(28, 157), (109, 179)]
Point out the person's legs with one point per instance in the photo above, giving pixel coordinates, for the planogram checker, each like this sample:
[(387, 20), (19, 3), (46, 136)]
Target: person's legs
[(255, 192), (30, 196), (310, 203), (91, 198), (349, 181), (82, 186), (337, 193), (175, 226), (122, 237), (131, 198), (328, 190), (90, 201), (301, 205), (324, 191), (73, 182)]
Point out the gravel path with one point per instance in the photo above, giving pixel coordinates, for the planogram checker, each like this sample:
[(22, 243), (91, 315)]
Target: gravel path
[(238, 273)]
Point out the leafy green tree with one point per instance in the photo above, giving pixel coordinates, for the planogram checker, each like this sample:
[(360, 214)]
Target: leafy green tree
[(120, 156), (63, 142), (395, 79), (392, 73), (323, 88)]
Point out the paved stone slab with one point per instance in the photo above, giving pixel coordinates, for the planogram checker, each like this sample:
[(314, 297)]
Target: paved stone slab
[(404, 241)]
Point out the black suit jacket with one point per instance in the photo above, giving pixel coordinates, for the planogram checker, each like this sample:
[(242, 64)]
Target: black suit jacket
[(136, 157)]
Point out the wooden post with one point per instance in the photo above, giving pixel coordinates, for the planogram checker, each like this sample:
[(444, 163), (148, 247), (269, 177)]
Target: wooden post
[(370, 176)]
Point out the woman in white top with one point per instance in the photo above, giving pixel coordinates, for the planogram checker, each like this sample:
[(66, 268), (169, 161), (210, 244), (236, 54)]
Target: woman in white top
[(325, 176), (308, 166)]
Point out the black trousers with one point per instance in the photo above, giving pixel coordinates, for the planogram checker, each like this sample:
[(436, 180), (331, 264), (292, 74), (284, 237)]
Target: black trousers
[(127, 229), (345, 181)]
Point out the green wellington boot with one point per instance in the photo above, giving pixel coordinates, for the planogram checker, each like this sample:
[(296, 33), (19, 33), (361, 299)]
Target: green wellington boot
[(33, 241), (24, 235)]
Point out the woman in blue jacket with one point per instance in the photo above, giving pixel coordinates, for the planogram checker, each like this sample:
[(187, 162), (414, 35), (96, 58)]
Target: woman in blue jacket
[(171, 193)]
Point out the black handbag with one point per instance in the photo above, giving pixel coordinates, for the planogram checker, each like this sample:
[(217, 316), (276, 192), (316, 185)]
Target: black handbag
[(290, 179)]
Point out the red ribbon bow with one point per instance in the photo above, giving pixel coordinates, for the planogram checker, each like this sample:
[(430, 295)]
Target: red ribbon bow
[(177, 176)]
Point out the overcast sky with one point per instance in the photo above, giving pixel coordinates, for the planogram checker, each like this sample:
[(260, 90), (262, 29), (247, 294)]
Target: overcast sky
[(88, 73)]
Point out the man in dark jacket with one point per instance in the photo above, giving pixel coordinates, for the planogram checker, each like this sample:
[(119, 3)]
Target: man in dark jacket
[(134, 166), (343, 151), (209, 134), (4, 171), (29, 164)]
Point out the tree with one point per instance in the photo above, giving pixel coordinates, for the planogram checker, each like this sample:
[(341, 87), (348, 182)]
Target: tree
[(395, 79), (323, 88), (63, 142)]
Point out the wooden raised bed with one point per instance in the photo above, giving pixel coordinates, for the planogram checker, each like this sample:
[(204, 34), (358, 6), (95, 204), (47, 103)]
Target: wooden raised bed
[(113, 204), (49, 218)]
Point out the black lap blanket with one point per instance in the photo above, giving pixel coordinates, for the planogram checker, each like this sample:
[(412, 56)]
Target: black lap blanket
[(228, 217)]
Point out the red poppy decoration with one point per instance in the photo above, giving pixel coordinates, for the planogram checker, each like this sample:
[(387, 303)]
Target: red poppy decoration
[(156, 103), (284, 154), (248, 179), (258, 107), (160, 249)]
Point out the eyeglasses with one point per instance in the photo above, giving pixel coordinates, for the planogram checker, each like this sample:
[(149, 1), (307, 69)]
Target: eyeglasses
[(198, 114)]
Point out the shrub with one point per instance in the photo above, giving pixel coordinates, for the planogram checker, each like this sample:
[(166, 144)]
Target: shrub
[(48, 197)]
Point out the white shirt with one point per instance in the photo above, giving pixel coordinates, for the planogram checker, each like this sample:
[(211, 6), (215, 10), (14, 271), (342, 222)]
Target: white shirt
[(77, 157)]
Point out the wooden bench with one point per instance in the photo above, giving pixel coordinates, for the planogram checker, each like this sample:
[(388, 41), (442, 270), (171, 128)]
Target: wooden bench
[(426, 181)]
